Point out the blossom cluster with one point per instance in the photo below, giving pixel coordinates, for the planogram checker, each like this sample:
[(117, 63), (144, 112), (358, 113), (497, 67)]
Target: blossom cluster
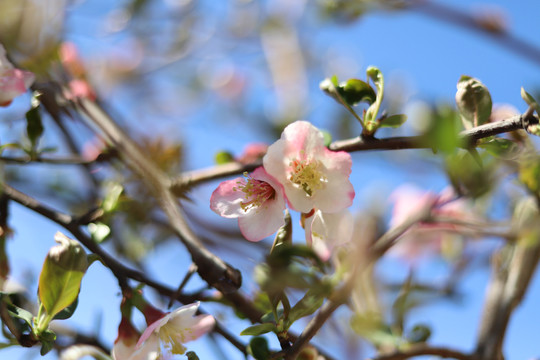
[(300, 172), (164, 337), (13, 81)]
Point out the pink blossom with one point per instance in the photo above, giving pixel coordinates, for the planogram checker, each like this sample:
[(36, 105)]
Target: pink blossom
[(125, 345), (424, 238), (174, 329), (13, 82), (325, 231), (252, 152), (257, 201), (79, 88), (312, 175), (69, 56)]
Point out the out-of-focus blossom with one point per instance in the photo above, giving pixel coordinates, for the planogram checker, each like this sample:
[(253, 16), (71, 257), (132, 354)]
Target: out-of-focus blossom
[(76, 352), (252, 152), (31, 29), (313, 176), (78, 87), (424, 238), (325, 231), (13, 82), (174, 329), (257, 201), (69, 57), (125, 346), (502, 112)]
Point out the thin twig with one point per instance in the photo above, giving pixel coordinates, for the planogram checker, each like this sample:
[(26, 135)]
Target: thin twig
[(467, 138), (421, 350), (211, 268), (118, 269)]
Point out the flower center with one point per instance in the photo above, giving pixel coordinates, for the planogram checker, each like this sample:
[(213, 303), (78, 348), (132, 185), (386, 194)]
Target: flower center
[(173, 339), (256, 192), (308, 175)]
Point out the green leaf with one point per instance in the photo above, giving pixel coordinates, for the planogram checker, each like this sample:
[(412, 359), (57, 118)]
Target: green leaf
[(34, 125), (370, 123), (61, 276), (46, 346), (354, 91), (529, 99), (443, 132), (473, 101), (191, 355), (259, 329), (327, 138), (330, 88), (223, 157), (67, 312), (58, 287), (112, 196), (15, 311), (420, 333), (499, 147), (99, 231), (310, 303), (258, 348), (393, 121), (468, 177)]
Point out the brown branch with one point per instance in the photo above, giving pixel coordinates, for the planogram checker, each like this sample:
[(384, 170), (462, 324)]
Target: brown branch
[(211, 268), (422, 350), (467, 137), (25, 160), (118, 269), (510, 280)]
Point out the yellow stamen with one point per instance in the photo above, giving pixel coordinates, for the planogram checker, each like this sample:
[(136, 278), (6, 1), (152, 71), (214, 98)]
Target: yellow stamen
[(308, 175), (256, 192)]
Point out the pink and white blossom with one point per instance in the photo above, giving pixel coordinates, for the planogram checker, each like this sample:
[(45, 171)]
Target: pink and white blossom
[(175, 329), (325, 231), (312, 175), (125, 346), (256, 200), (425, 238), (252, 152), (13, 82)]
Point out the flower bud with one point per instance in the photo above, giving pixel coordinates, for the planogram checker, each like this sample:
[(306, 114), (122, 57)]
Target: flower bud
[(69, 254)]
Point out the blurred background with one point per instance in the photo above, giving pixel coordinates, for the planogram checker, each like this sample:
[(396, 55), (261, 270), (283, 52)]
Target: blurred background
[(188, 79)]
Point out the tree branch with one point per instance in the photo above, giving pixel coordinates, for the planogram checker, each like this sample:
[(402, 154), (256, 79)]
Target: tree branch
[(211, 268), (118, 269), (423, 349), (468, 138)]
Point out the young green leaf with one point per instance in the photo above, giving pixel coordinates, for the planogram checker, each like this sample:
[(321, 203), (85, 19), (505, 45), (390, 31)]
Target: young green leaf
[(258, 348), (223, 157), (259, 329), (61, 275), (310, 303), (529, 99), (354, 91), (370, 123), (473, 101), (393, 121), (34, 125)]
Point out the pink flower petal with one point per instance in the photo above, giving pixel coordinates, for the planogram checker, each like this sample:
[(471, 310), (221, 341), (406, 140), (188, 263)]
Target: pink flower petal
[(226, 199), (325, 231), (261, 213), (312, 176)]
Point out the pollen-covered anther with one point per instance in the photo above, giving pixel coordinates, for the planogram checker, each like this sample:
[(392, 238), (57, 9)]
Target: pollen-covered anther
[(256, 192), (308, 175)]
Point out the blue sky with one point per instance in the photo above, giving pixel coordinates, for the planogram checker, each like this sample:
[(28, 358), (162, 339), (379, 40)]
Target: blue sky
[(425, 55)]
